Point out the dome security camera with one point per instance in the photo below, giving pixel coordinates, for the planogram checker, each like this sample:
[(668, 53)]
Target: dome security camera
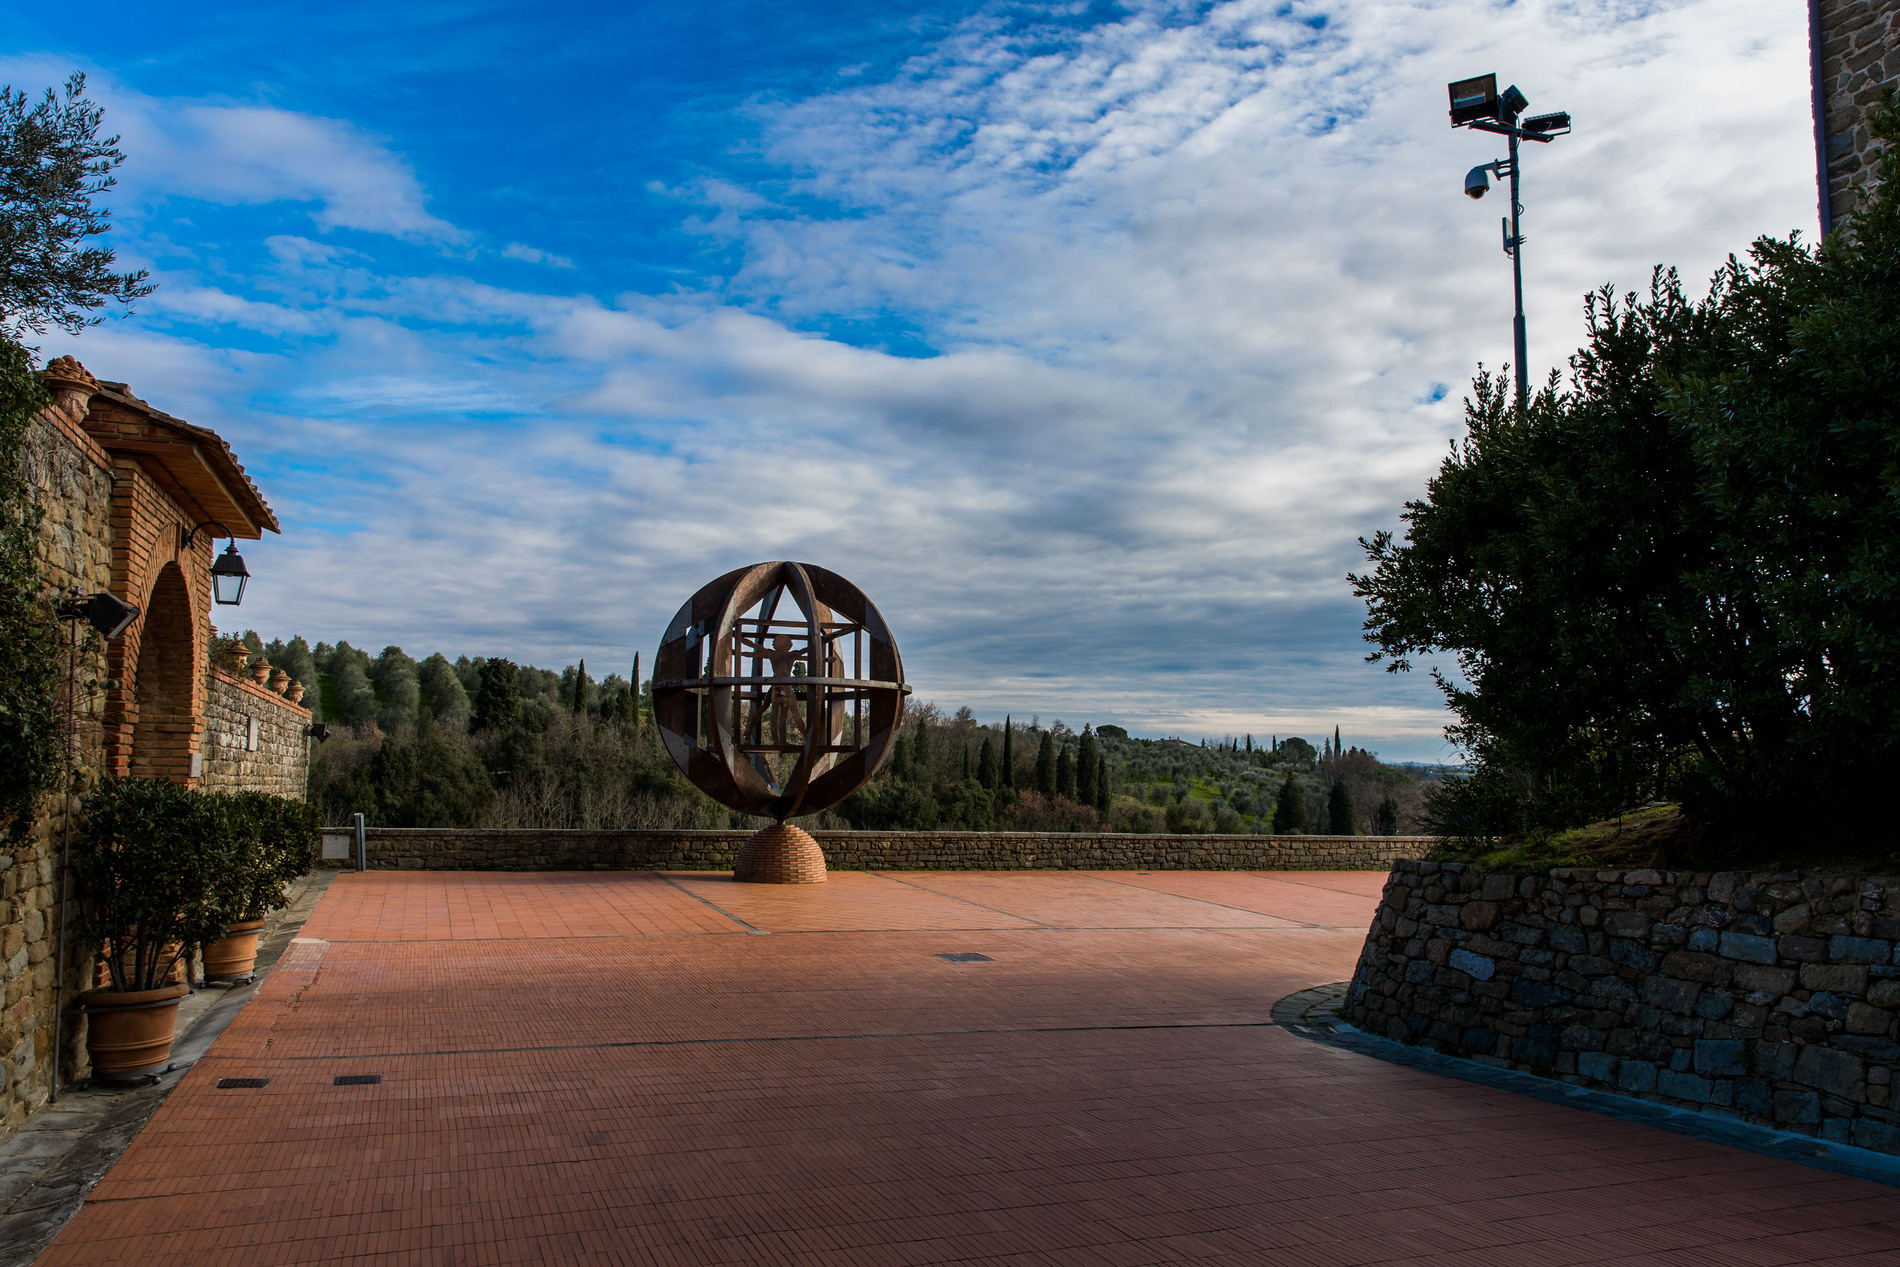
[(1478, 181)]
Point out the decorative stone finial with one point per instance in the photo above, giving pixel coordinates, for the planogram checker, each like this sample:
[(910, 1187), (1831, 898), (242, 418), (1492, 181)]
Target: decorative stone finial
[(72, 386)]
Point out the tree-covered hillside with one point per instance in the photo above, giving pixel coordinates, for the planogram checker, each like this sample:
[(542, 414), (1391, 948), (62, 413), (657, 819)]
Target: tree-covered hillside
[(480, 742)]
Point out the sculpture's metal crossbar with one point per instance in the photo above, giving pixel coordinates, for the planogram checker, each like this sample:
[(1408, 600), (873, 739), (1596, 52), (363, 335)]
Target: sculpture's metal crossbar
[(743, 682)]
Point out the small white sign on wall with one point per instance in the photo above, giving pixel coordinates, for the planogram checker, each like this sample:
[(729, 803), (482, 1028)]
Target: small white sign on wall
[(250, 743), (336, 845)]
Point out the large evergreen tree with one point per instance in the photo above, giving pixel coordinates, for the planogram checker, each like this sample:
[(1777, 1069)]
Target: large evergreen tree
[(1087, 756), (1009, 754), (920, 752), (1289, 808), (1046, 765), (53, 164), (1065, 773), (986, 766), (498, 705), (1339, 811), (1675, 575)]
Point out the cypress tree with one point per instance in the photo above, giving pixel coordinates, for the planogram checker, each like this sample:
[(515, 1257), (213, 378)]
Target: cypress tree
[(1046, 765), (966, 761), (636, 690), (498, 705), (1009, 757), (1065, 774), (900, 759), (1289, 809), (1101, 784), (920, 752), (1339, 811), (580, 690), (1087, 755), (1388, 824), (986, 766)]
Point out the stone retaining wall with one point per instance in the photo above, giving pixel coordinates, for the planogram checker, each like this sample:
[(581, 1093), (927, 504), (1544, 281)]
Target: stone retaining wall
[(1772, 998), (428, 849), (254, 740)]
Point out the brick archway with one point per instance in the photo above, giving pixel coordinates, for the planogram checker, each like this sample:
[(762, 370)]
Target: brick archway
[(164, 734)]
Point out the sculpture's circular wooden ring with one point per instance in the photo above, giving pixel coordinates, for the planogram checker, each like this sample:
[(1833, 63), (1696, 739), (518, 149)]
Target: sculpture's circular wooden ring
[(825, 687)]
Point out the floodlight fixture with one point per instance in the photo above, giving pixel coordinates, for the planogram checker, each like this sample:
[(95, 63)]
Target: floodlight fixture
[(110, 615), (317, 731), (1474, 99), (1477, 104)]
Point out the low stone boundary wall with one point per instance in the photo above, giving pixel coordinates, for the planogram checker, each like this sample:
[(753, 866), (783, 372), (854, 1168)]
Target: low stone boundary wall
[(432, 849), (1771, 998)]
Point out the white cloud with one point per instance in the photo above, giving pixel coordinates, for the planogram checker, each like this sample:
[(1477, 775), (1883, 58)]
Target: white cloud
[(243, 154), (1198, 281), (534, 255)]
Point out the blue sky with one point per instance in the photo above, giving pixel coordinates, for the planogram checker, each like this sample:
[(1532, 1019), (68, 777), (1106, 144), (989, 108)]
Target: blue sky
[(1086, 338)]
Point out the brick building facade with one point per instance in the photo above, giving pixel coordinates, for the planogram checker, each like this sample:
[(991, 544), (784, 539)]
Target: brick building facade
[(1854, 48), (120, 485)]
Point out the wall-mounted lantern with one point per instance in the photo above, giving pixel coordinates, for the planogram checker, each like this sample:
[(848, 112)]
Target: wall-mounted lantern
[(228, 573)]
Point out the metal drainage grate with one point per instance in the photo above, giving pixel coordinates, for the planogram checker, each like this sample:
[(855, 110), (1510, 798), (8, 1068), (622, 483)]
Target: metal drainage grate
[(966, 958), (242, 1084), (357, 1080)]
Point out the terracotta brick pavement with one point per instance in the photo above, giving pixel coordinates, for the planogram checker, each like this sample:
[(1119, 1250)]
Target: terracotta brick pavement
[(630, 1068)]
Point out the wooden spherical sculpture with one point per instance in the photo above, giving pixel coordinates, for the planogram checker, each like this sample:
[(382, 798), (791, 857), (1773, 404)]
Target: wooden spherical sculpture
[(778, 690)]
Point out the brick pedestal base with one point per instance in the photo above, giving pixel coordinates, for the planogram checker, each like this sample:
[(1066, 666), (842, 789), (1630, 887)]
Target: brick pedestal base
[(780, 855)]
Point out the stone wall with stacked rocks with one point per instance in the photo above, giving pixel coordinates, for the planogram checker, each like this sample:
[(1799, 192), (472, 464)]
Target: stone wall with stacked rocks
[(71, 479), (429, 849), (1858, 59), (253, 738), (1772, 998)]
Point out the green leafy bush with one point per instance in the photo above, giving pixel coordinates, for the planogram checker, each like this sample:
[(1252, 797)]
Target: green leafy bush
[(149, 869), (29, 635), (273, 842)]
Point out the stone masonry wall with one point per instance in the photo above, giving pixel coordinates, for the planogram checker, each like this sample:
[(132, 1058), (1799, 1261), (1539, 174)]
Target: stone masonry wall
[(71, 478), (425, 849), (1859, 56), (274, 759), (1772, 998)]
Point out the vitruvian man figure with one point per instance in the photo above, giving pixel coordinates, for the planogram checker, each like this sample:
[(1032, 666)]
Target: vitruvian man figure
[(778, 690)]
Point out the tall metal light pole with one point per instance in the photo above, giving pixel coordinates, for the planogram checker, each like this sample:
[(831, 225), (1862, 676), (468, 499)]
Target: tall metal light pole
[(1477, 104)]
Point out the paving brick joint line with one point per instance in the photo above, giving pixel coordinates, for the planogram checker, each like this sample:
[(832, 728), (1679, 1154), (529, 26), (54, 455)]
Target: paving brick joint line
[(566, 1078), (771, 1038)]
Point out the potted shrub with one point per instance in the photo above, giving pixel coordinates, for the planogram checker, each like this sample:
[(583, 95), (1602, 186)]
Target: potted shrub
[(274, 842), (145, 870)]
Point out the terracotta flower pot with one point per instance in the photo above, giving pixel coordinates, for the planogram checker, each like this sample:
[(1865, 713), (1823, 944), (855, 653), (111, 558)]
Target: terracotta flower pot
[(279, 680), (235, 953), (260, 671), (131, 1032), (237, 657), (295, 691)]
